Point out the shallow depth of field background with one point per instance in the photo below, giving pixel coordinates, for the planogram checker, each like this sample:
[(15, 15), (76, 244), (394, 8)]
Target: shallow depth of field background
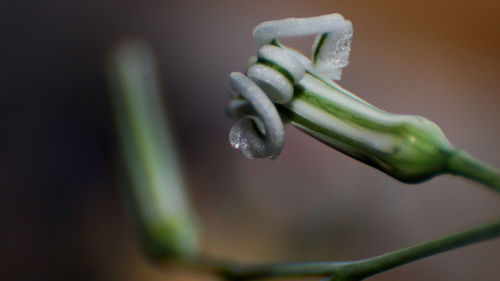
[(61, 213)]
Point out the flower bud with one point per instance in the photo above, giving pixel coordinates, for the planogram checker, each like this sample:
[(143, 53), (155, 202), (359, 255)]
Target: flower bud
[(409, 148)]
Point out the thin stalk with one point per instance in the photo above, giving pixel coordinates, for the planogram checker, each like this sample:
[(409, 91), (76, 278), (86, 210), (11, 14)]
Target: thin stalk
[(463, 164), (354, 270), (371, 266)]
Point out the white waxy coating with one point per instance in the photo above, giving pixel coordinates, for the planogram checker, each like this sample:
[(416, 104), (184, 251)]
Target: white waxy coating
[(245, 135), (265, 32), (333, 53), (330, 56), (239, 108), (273, 83), (264, 137), (298, 56), (250, 62), (283, 59)]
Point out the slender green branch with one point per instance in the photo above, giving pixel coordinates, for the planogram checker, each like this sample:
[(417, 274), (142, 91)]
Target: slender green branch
[(281, 270), (355, 270), (371, 266), (463, 164)]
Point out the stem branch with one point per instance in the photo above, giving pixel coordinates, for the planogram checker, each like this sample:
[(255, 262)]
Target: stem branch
[(371, 266), (463, 164), (355, 270)]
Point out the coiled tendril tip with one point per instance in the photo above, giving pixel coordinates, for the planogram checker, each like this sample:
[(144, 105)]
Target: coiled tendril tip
[(271, 78)]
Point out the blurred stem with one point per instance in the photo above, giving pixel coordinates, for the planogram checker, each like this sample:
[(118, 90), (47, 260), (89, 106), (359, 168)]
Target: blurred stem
[(156, 189), (463, 164), (356, 270)]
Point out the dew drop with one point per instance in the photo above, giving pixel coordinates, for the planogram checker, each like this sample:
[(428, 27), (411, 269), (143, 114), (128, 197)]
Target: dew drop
[(238, 139), (245, 138)]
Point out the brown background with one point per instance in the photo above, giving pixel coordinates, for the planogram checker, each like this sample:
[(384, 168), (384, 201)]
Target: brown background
[(60, 208)]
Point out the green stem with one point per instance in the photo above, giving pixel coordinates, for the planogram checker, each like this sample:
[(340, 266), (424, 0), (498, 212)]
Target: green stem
[(357, 270), (371, 266), (463, 164), (155, 188), (280, 270)]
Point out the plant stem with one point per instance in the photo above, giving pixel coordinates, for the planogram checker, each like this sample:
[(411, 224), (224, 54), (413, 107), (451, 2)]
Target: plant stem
[(281, 270), (356, 270), (463, 164), (154, 189), (371, 266)]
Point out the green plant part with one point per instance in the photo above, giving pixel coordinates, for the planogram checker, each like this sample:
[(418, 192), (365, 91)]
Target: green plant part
[(280, 84), (156, 188), (283, 84)]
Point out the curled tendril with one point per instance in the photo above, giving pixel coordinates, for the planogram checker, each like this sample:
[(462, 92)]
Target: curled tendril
[(259, 131), (249, 137)]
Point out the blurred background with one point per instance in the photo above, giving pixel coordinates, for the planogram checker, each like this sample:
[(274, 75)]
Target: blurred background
[(61, 210)]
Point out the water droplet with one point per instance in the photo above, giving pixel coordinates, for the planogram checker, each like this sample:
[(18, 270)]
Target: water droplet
[(245, 138), (237, 138)]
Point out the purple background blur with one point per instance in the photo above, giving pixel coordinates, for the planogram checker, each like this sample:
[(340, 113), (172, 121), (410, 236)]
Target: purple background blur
[(61, 210)]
